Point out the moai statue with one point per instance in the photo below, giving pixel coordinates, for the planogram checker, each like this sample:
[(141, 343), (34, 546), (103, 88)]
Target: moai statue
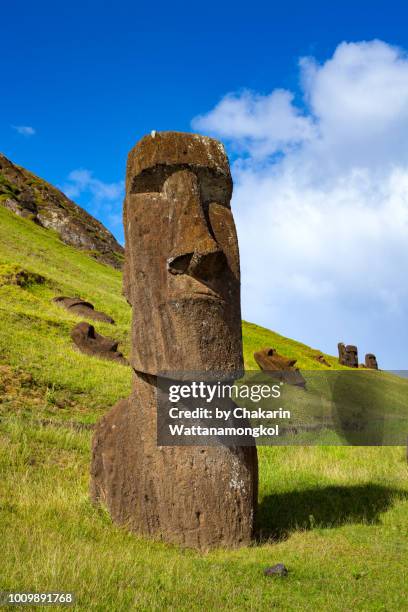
[(342, 352), (91, 343), (182, 280), (82, 309), (348, 355), (279, 367), (371, 361)]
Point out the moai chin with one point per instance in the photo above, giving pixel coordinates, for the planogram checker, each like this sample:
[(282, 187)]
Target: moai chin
[(182, 280)]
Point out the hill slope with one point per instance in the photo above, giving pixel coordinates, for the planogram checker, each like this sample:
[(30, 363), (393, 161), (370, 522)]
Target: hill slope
[(35, 333), (338, 516), (31, 197)]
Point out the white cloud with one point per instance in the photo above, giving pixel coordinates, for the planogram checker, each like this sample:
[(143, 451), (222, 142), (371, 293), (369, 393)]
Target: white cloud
[(321, 201), (104, 200), (24, 130), (82, 181), (260, 124)]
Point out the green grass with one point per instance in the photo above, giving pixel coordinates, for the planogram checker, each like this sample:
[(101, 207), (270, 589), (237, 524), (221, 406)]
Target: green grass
[(35, 333), (336, 516)]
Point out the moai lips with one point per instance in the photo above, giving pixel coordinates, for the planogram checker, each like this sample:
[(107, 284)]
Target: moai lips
[(279, 367), (182, 280)]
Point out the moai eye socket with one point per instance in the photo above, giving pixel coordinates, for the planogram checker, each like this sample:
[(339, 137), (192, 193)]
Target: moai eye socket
[(214, 186), (151, 180)]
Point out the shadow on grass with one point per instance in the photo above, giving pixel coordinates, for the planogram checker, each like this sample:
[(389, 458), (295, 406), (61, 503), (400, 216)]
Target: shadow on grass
[(332, 506)]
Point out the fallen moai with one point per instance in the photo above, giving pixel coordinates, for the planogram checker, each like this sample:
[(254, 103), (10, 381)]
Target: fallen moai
[(348, 355), (90, 342), (321, 359), (182, 279), (279, 367), (82, 308)]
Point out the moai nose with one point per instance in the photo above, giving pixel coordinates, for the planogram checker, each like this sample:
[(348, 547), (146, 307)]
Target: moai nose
[(203, 266), (195, 251)]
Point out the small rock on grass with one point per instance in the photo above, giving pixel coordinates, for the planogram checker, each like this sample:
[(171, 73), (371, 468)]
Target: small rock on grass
[(276, 570)]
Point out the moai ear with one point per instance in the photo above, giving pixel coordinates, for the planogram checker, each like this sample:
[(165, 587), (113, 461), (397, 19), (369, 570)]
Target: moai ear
[(126, 289)]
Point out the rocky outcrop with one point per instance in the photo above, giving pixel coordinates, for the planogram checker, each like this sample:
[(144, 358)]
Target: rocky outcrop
[(29, 196)]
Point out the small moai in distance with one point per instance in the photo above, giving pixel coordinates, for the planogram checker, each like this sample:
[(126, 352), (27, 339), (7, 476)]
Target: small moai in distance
[(82, 309), (321, 359), (279, 367), (182, 280), (88, 341), (348, 355), (371, 361)]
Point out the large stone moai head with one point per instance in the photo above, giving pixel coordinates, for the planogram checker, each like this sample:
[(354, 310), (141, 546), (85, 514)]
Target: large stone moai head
[(371, 361), (182, 274), (348, 355)]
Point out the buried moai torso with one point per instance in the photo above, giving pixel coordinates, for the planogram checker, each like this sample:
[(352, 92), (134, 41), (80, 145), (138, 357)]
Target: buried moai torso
[(181, 278), (348, 355)]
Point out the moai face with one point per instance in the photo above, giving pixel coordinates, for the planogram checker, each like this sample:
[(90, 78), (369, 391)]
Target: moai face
[(279, 367), (342, 352), (182, 274), (348, 355), (371, 361), (351, 356)]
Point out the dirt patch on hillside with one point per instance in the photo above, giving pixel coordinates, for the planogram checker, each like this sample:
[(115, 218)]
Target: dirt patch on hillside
[(16, 275)]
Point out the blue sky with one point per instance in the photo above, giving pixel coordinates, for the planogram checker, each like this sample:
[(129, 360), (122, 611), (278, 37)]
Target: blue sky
[(92, 77), (83, 81)]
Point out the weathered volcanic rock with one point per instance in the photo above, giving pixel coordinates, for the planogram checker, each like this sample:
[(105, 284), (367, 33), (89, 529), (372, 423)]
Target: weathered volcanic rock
[(371, 361), (348, 355), (29, 196), (199, 497), (193, 260), (276, 570), (83, 309), (279, 367), (90, 342), (182, 279)]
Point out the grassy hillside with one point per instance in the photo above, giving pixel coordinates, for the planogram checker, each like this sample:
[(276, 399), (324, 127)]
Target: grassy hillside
[(35, 334), (32, 197), (336, 516)]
